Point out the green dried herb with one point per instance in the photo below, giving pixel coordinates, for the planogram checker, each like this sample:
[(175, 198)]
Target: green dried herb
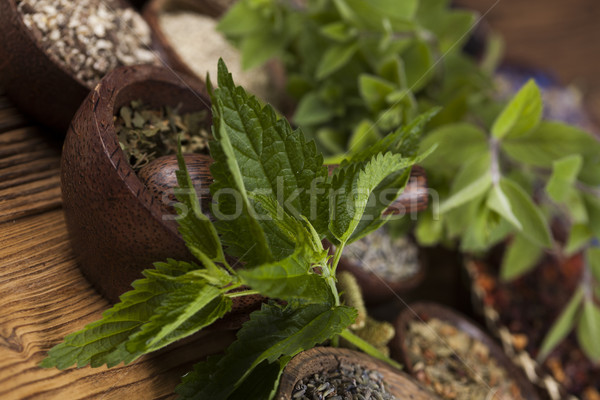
[(146, 133)]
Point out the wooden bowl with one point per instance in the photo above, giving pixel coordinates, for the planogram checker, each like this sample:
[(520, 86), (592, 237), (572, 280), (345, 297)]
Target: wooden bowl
[(375, 289), (214, 9), (35, 84), (323, 359), (426, 311)]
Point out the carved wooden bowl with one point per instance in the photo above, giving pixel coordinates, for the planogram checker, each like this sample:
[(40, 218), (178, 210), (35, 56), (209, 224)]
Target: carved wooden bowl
[(426, 311), (324, 359), (35, 83)]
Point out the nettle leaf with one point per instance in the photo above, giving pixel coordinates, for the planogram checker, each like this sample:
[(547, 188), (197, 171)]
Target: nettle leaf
[(291, 278), (521, 256), (271, 333), (562, 326), (564, 175), (457, 143), (335, 58), (352, 187), (103, 341), (530, 217), (473, 179), (588, 330), (197, 230), (186, 310), (257, 151), (552, 141), (521, 115)]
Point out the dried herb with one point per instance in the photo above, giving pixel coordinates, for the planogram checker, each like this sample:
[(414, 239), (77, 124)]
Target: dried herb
[(146, 133), (455, 365)]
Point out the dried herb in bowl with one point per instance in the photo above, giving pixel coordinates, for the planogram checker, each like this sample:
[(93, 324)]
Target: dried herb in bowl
[(146, 133), (455, 365)]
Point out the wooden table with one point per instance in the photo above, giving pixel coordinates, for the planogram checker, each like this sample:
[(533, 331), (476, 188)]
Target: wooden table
[(44, 296)]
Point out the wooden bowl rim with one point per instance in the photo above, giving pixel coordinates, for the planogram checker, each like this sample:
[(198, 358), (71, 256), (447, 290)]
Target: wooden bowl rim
[(433, 310), (104, 110), (318, 359)]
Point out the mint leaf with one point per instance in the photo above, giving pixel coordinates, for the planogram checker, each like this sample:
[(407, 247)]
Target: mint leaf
[(562, 326), (579, 236), (473, 179), (184, 311), (588, 330), (271, 333), (457, 143), (335, 58), (198, 232), (103, 341), (564, 175), (521, 256), (551, 141), (499, 202), (592, 205), (593, 259), (521, 115), (534, 225)]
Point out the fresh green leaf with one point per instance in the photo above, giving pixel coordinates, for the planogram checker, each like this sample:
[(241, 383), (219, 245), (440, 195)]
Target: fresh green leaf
[(592, 204), (338, 31), (184, 311), (498, 202), (562, 326), (353, 185), (579, 237), (593, 260), (418, 64), (520, 257), (365, 134), (335, 58), (429, 231), (313, 110), (564, 175), (457, 144), (271, 333), (241, 19), (198, 232), (588, 330), (521, 115), (103, 341), (552, 141), (258, 151), (472, 180), (534, 225), (374, 91)]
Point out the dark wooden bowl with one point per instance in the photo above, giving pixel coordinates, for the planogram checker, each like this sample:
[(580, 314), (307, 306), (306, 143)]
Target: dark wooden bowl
[(426, 311), (115, 222), (35, 84), (323, 359)]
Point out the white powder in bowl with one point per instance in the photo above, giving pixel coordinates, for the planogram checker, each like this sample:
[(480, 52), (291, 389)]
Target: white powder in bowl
[(196, 40)]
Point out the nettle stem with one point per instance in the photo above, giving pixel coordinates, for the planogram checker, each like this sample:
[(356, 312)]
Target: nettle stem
[(249, 292), (368, 348)]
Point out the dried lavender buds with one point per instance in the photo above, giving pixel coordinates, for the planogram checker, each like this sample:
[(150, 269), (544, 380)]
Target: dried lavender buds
[(145, 133), (455, 365), (348, 382), (88, 37), (392, 259)]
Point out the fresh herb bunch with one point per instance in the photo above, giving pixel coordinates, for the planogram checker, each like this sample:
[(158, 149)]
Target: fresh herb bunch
[(360, 69), (277, 238), (511, 178)]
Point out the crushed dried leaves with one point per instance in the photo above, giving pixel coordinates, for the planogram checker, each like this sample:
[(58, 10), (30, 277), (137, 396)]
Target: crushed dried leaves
[(146, 133), (455, 365)]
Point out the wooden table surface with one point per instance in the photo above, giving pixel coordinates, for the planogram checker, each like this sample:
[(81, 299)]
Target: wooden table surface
[(45, 296)]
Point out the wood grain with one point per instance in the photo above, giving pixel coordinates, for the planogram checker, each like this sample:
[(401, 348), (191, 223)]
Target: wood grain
[(44, 296)]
